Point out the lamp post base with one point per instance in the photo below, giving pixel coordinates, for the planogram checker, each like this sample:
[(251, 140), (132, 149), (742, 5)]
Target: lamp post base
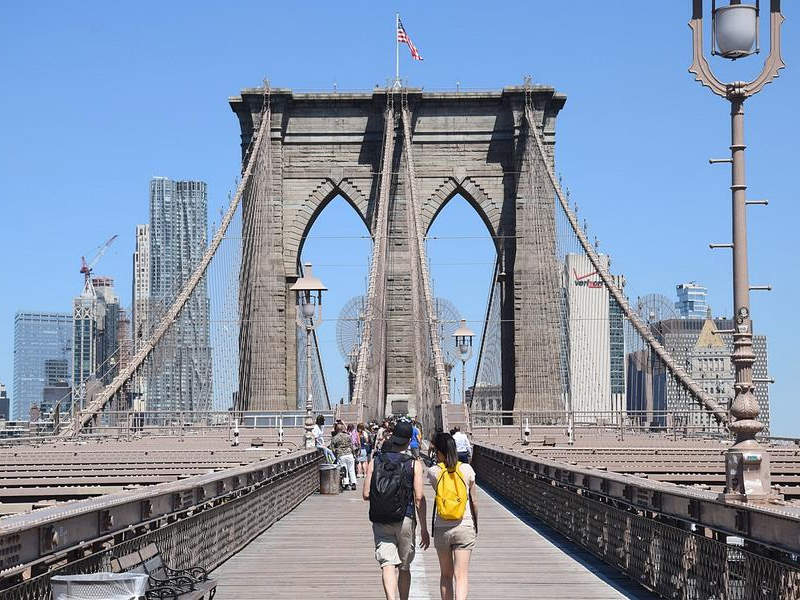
[(747, 475)]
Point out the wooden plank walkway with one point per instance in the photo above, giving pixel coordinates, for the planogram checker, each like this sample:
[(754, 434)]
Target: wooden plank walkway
[(324, 548)]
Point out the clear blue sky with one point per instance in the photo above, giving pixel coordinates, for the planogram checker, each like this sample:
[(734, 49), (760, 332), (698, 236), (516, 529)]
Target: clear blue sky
[(98, 97)]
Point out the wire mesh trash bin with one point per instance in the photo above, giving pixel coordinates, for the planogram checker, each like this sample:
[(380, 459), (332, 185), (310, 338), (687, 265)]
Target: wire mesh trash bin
[(99, 586), (329, 479)]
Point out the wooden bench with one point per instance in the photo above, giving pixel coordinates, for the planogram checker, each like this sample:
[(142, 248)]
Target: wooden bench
[(166, 583)]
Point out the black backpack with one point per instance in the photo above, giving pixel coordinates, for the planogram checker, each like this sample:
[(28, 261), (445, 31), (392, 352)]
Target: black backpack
[(390, 491)]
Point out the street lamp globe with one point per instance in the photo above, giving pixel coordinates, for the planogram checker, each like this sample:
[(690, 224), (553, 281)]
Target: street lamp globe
[(463, 336), (309, 293), (308, 308), (735, 29)]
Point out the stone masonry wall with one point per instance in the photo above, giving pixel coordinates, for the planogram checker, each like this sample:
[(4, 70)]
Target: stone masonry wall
[(329, 144)]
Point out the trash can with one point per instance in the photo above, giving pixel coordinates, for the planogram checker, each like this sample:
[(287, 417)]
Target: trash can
[(329, 479), (100, 586)]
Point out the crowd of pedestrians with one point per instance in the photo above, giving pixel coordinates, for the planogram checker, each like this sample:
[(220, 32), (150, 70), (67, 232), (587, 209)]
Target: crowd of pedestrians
[(389, 457)]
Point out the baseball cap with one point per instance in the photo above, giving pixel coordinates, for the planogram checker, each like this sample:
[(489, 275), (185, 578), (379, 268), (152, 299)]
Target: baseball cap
[(402, 433)]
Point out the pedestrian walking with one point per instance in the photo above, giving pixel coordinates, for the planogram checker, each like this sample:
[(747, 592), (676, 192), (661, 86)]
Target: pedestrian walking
[(353, 433), (342, 447), (363, 451), (455, 517), (463, 447), (383, 433), (416, 439), (394, 489), (373, 440)]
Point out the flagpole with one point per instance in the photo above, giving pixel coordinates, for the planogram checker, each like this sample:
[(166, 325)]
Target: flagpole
[(396, 50)]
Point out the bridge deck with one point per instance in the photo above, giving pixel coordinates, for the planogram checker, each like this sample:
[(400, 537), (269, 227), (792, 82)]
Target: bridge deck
[(324, 547)]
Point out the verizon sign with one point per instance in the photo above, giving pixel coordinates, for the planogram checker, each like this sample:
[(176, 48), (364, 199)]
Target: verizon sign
[(584, 281)]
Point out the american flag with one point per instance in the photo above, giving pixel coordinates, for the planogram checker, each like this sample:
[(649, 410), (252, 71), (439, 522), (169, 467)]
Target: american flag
[(402, 36)]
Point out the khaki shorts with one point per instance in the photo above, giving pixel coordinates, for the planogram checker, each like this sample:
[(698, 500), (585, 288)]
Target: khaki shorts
[(460, 537), (395, 543)]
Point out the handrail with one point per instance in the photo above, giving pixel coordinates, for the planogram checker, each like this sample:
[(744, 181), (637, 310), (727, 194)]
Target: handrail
[(776, 526), (57, 529)]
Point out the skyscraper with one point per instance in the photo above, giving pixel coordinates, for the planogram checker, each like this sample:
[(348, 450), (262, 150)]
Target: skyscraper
[(56, 390), (141, 302), (96, 315), (108, 315), (38, 337), (84, 342), (692, 300), (180, 375), (596, 339), (141, 283)]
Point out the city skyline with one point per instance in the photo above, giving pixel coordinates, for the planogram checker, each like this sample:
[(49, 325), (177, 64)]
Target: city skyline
[(675, 132)]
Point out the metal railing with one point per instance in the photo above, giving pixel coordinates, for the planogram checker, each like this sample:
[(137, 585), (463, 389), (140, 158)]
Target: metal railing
[(673, 424), (223, 423), (679, 542), (131, 424), (202, 520)]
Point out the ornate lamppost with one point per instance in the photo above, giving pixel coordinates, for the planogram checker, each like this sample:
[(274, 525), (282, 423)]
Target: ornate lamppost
[(463, 337), (735, 35), (309, 316)]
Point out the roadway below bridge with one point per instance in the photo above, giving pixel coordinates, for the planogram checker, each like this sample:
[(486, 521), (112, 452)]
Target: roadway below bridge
[(325, 546)]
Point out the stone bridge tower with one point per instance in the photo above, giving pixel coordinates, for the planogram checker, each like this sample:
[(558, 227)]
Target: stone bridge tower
[(468, 143)]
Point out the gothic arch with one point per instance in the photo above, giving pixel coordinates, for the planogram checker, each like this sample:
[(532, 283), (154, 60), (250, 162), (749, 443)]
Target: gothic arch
[(488, 210), (302, 217)]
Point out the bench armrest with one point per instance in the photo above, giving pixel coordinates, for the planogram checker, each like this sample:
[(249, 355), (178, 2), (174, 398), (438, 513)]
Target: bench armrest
[(196, 573), (163, 592), (181, 582)]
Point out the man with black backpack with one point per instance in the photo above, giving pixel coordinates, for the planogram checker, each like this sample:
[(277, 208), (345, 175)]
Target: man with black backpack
[(394, 487)]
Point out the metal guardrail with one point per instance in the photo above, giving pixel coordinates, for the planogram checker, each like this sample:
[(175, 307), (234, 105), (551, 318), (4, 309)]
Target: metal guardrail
[(679, 542), (673, 424), (126, 424), (202, 520)]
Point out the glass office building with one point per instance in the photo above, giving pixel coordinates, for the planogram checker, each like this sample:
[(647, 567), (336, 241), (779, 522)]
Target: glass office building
[(692, 300), (38, 338), (180, 378)]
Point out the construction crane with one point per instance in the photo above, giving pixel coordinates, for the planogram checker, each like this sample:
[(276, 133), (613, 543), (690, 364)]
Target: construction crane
[(86, 268)]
